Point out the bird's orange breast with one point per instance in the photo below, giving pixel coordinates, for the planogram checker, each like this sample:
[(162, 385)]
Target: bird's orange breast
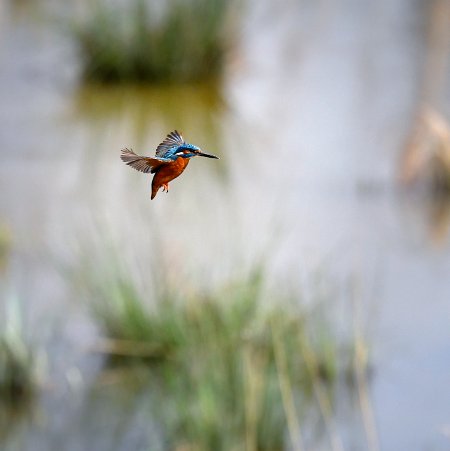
[(171, 170), (168, 172)]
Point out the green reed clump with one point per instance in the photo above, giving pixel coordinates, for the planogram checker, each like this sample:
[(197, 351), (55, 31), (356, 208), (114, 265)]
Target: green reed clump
[(231, 372), (187, 41)]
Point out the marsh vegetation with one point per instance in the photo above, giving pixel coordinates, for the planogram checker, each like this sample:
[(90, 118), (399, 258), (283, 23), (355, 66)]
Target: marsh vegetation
[(231, 368)]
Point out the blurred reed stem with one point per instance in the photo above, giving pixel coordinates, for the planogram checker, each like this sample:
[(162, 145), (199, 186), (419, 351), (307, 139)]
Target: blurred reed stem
[(287, 393)]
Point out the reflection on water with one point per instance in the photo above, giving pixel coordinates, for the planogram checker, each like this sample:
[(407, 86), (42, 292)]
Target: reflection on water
[(150, 109), (14, 418), (309, 137)]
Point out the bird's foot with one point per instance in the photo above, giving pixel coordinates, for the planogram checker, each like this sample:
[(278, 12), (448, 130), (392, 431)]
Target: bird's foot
[(166, 187)]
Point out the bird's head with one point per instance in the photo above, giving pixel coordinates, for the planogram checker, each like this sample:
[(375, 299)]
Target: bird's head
[(187, 150)]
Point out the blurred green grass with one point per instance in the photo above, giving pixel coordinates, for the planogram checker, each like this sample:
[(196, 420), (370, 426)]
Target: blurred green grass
[(187, 42), (229, 371)]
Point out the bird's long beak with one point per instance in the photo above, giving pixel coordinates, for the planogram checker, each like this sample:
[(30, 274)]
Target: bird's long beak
[(207, 155)]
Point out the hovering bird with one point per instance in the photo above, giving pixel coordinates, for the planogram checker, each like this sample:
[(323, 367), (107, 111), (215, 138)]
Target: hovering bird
[(171, 159)]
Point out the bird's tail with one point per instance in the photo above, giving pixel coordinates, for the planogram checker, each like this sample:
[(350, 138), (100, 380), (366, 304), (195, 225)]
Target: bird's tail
[(155, 188)]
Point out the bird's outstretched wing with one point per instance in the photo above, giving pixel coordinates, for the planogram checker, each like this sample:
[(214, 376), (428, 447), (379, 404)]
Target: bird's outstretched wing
[(143, 164), (173, 139)]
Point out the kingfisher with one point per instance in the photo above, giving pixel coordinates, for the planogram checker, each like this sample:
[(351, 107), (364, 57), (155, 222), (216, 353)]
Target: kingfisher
[(171, 159)]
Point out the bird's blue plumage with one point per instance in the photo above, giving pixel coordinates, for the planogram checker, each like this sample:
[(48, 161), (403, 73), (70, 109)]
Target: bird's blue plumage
[(174, 146), (172, 141)]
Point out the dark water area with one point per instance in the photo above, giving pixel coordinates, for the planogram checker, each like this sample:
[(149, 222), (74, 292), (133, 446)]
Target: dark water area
[(310, 122)]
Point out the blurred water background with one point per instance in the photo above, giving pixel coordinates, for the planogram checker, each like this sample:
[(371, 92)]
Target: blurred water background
[(319, 115)]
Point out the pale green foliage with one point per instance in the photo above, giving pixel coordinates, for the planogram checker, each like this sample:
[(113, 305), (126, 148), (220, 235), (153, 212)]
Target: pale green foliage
[(216, 361)]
